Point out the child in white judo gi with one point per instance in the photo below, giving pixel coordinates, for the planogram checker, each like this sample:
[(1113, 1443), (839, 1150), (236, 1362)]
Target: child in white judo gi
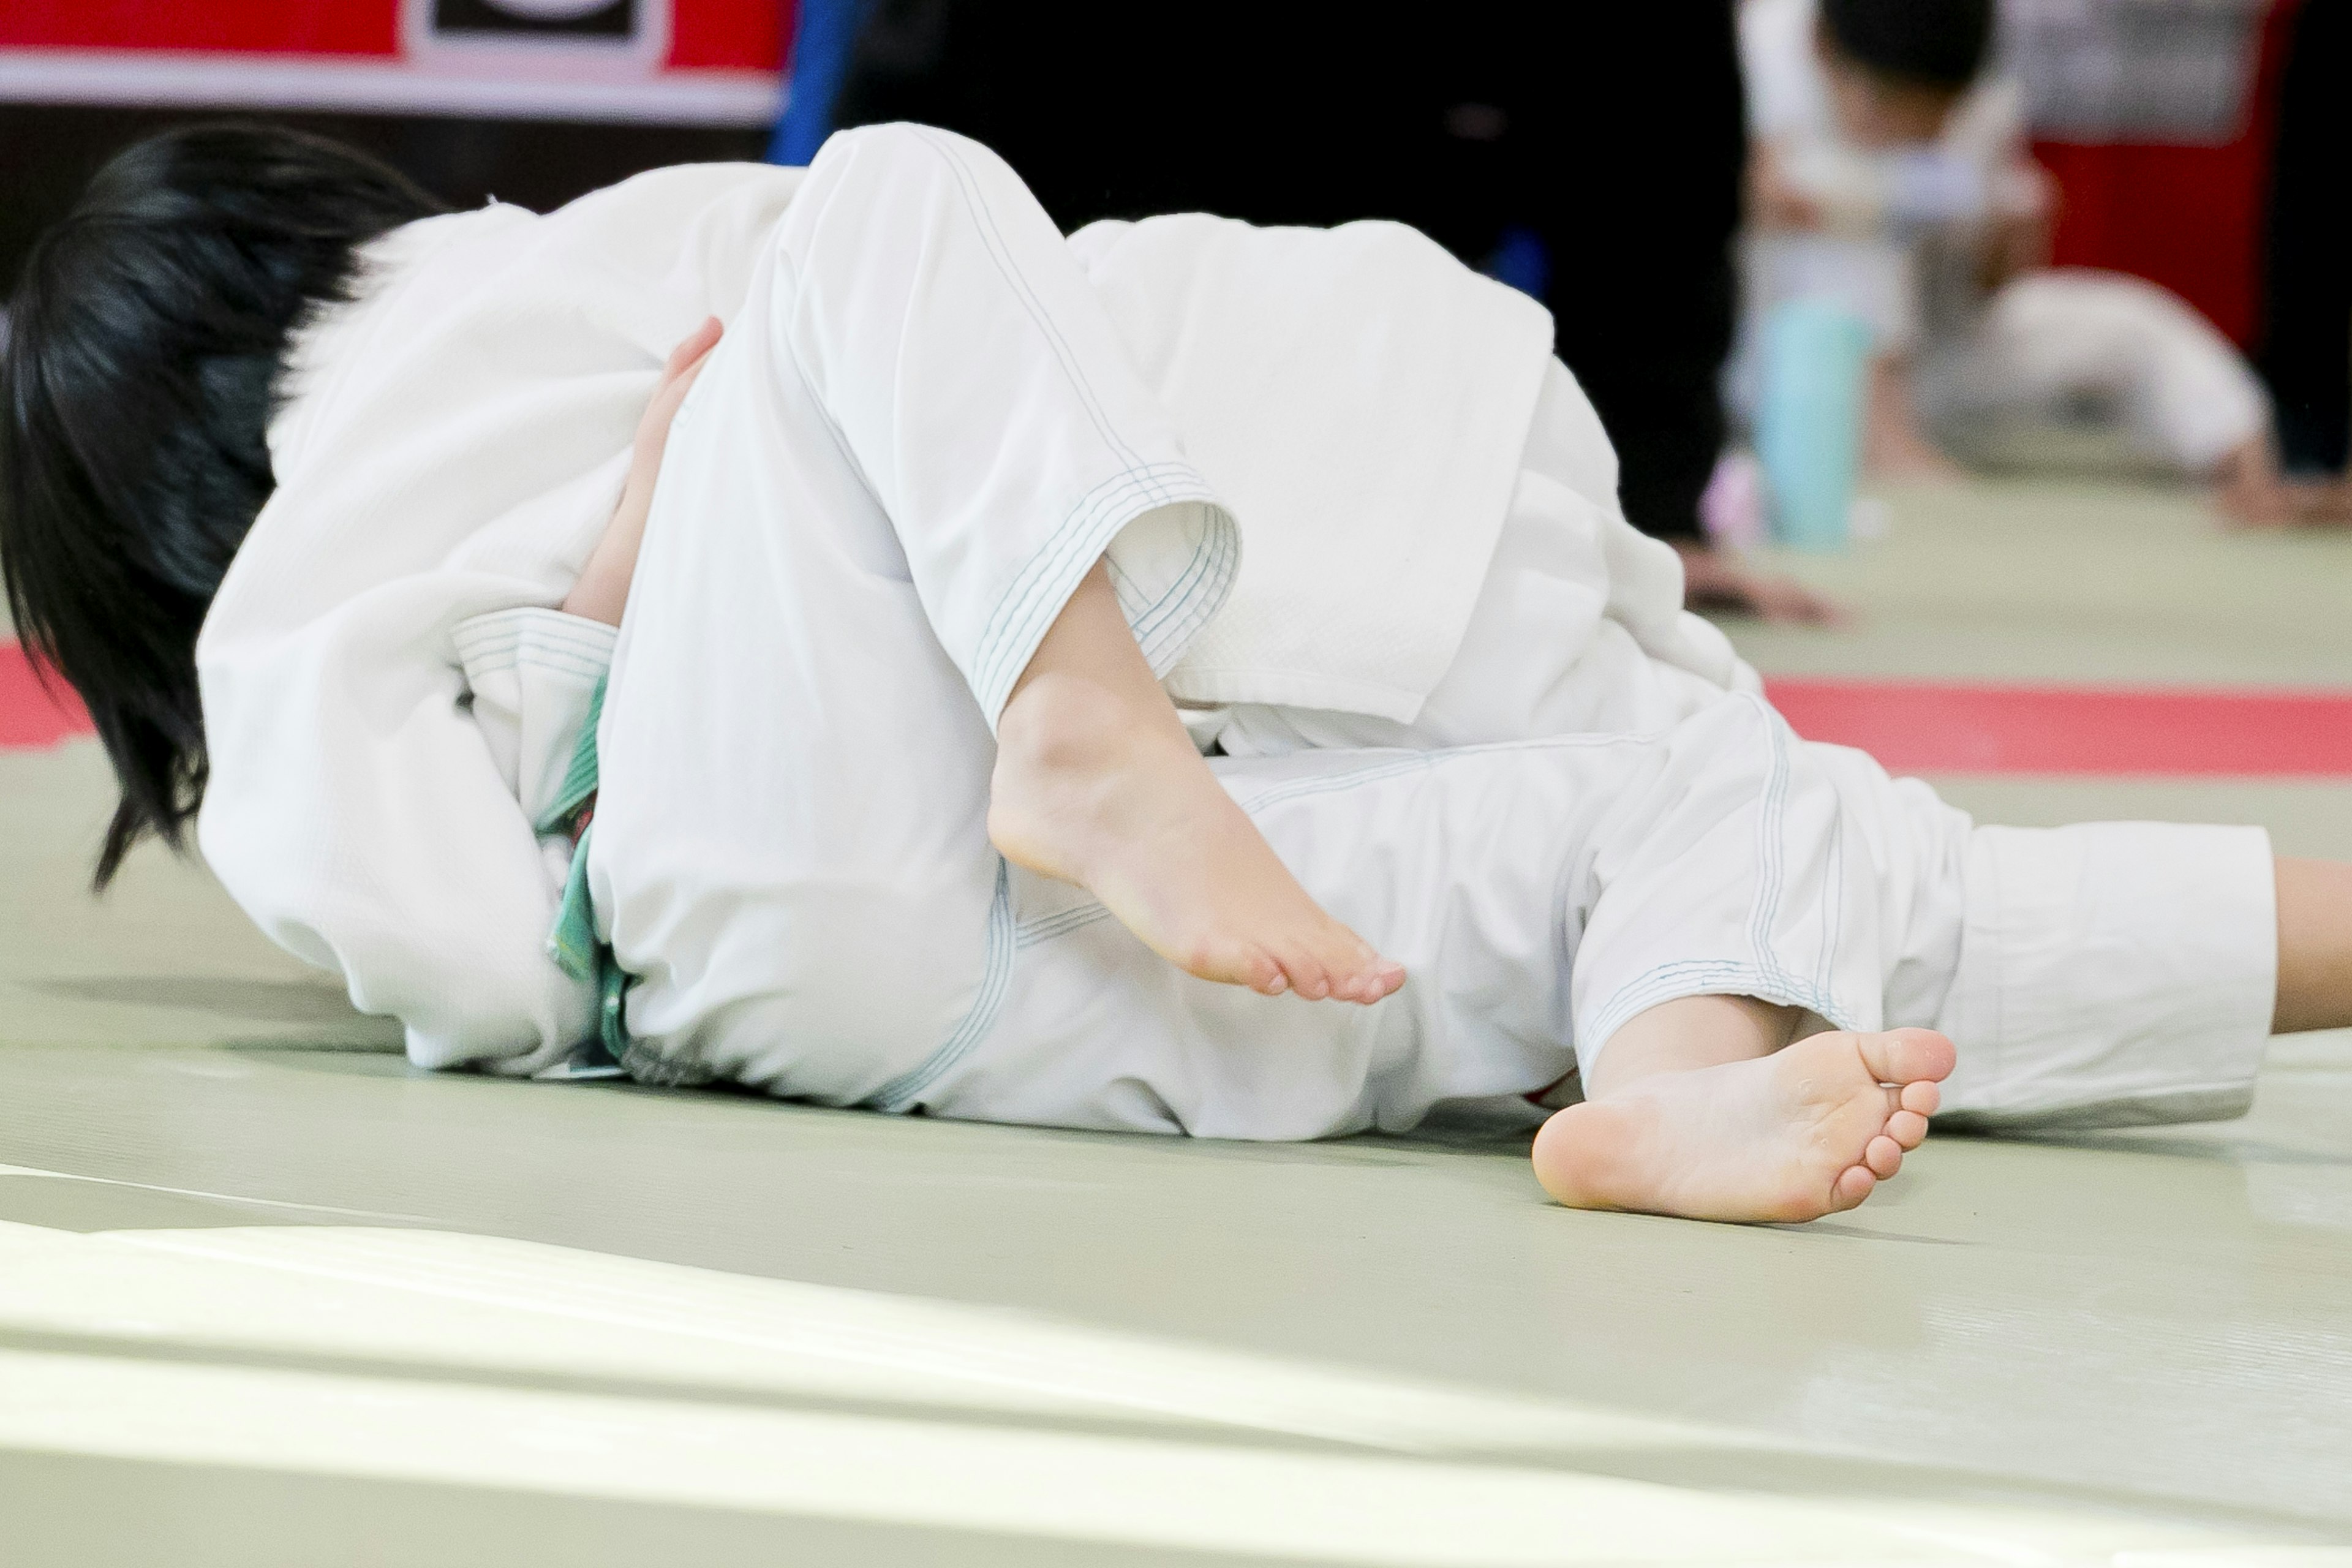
[(1890, 172), (947, 754)]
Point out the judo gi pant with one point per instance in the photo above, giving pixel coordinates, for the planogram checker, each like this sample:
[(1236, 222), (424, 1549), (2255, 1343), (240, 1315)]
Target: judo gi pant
[(791, 850), (1541, 890)]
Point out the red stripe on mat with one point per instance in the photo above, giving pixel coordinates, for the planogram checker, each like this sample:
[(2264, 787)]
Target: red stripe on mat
[(1909, 726), (29, 715), (1954, 727)]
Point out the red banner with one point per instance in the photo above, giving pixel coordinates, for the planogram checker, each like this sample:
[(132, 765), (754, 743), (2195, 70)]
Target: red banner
[(674, 61)]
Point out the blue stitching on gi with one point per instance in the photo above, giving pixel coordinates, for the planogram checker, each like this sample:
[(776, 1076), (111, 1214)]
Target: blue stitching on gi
[(1832, 907), (1048, 927), (1043, 587), (499, 639), (1130, 597), (1149, 477), (1205, 548), (1017, 614), (1408, 761), (504, 659), (1219, 560), (1770, 813), (1766, 978), (992, 241), (1051, 926), (1095, 518), (996, 980), (1033, 601), (1216, 549), (556, 647)]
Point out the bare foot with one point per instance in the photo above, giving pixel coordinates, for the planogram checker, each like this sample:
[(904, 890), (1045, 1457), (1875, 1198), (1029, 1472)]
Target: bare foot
[(1805, 1132), (1087, 790)]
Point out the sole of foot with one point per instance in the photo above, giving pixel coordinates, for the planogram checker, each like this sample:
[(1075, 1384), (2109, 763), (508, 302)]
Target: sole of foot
[(1088, 791), (1809, 1130)]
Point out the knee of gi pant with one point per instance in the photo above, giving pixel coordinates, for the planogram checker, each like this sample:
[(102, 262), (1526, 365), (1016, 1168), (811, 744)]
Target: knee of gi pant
[(920, 168)]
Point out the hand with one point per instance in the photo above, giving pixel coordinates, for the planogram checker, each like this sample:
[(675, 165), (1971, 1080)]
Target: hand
[(1775, 203), (603, 586), (1716, 580)]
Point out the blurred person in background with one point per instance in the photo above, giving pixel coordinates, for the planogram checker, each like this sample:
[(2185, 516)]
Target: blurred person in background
[(2307, 354), (1889, 171), (1476, 123)]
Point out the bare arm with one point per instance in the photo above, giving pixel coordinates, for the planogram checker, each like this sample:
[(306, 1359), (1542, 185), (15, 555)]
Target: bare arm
[(603, 586)]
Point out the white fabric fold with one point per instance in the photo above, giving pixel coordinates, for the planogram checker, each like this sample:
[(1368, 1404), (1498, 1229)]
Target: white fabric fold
[(1361, 400)]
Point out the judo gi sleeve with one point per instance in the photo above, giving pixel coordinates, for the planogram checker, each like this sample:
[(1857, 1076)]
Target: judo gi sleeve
[(357, 813)]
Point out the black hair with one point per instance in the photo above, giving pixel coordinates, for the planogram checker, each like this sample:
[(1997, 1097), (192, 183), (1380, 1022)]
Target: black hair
[(1927, 43), (139, 376)]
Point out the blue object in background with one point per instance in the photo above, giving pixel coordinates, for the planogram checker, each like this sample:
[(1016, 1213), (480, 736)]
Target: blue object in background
[(1522, 259), (820, 63), (1809, 419)]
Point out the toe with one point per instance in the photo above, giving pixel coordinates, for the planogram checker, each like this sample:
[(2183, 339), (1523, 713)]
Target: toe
[(1884, 1156), (1907, 1056), (1243, 964), (1376, 979), (1854, 1185), (1350, 961), (1350, 984), (1907, 1127), (1308, 978), (1922, 1097)]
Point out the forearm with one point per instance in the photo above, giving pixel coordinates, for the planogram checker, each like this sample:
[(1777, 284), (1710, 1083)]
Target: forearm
[(603, 586), (603, 589), (2315, 946)]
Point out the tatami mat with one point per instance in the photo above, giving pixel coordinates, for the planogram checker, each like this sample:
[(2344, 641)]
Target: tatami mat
[(265, 1301)]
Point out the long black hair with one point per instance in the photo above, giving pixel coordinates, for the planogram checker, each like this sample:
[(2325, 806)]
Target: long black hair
[(139, 376)]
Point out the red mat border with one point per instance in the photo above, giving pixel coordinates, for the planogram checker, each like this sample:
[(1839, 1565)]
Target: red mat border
[(1910, 726), (1970, 727), (33, 715)]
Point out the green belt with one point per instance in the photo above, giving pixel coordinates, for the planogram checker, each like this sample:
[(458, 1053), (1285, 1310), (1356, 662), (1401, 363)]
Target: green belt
[(572, 942)]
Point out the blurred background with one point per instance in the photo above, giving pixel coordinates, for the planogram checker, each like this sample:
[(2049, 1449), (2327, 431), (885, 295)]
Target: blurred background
[(2157, 118), (1667, 178), (532, 101)]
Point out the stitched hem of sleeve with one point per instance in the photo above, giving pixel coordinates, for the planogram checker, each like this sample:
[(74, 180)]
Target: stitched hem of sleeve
[(1056, 568)]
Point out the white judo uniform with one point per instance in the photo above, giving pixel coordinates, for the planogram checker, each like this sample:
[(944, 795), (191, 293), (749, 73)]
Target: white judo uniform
[(1450, 684)]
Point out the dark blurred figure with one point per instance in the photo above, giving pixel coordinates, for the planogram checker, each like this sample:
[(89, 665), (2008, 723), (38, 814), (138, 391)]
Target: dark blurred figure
[(1591, 153), (2306, 352)]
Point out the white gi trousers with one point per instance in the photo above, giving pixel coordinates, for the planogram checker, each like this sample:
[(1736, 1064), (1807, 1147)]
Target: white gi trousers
[(866, 521)]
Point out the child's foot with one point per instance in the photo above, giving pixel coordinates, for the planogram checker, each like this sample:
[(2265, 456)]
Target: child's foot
[(1805, 1132), (1089, 792)]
